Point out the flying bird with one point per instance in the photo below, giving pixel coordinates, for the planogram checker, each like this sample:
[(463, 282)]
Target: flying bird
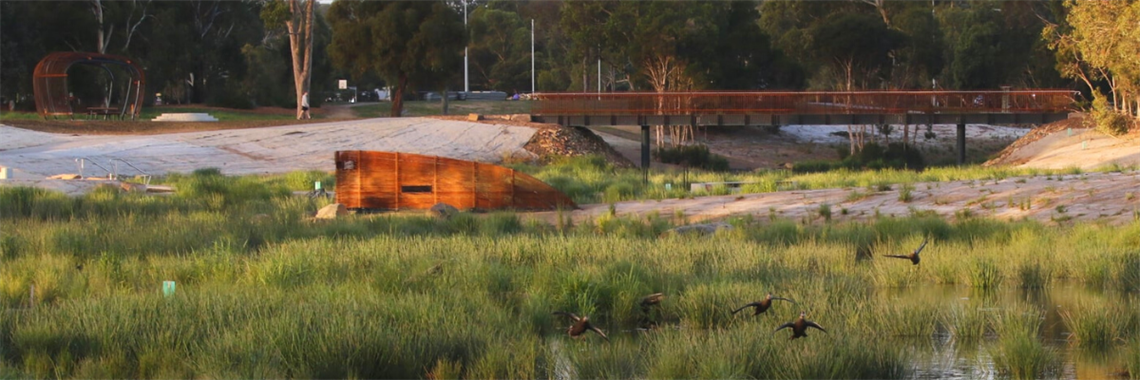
[(913, 256), (579, 325), (647, 303), (799, 327), (763, 305), (650, 301)]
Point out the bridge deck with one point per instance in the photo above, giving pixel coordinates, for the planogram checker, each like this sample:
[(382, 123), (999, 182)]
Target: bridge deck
[(784, 108), (803, 108)]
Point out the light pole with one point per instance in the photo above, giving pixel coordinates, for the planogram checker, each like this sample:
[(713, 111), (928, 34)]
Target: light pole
[(466, 85), (532, 56)]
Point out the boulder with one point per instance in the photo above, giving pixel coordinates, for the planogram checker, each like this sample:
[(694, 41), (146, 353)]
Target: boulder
[(699, 229), (474, 117), (132, 187), (332, 211), (442, 211)]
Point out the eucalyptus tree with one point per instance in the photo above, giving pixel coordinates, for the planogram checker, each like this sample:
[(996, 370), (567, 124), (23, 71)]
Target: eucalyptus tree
[(410, 43), (1097, 42), (500, 49), (297, 17)]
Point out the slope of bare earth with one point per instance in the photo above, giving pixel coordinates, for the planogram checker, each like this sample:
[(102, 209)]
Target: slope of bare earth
[(1071, 145), (1107, 197)]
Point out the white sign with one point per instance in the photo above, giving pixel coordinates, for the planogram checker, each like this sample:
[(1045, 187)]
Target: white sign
[(342, 84)]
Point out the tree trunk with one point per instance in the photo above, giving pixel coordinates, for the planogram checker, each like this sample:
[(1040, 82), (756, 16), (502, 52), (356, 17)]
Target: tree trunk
[(101, 44), (906, 135), (300, 26), (443, 99), (398, 97)]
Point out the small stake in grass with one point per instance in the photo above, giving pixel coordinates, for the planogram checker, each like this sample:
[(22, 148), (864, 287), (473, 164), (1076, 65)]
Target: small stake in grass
[(913, 256), (799, 327), (168, 288), (762, 306), (580, 325)]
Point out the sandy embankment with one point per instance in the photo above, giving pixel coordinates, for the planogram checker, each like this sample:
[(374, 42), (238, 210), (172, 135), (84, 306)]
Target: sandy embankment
[(33, 156)]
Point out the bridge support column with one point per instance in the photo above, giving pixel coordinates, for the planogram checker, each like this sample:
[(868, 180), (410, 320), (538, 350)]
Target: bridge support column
[(961, 143), (645, 153)]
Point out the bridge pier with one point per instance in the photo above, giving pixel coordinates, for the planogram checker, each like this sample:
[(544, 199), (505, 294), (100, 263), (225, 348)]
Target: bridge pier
[(645, 154), (961, 143)]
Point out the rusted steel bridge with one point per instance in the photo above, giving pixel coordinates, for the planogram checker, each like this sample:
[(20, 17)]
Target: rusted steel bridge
[(803, 108)]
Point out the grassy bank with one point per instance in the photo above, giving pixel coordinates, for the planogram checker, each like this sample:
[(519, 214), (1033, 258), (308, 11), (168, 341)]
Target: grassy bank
[(264, 292)]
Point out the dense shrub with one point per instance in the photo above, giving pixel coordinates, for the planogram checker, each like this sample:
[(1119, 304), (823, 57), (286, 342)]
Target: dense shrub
[(1108, 120), (693, 156), (873, 156)]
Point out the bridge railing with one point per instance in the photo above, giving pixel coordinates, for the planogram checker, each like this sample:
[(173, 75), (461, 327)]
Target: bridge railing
[(859, 102)]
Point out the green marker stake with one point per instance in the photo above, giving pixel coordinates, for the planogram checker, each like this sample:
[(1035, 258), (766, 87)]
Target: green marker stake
[(168, 288), (317, 185)]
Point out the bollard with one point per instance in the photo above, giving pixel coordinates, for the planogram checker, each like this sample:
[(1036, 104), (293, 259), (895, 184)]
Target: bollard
[(317, 185), (168, 288), (1084, 144), (3, 172), (1070, 132)]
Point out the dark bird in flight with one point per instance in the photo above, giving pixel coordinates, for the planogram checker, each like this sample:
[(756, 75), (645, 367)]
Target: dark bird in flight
[(799, 327), (650, 301), (647, 303), (913, 256), (579, 325), (763, 305)]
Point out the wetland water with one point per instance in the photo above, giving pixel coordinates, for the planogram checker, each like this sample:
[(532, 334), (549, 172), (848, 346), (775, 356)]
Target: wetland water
[(942, 354), (944, 357)]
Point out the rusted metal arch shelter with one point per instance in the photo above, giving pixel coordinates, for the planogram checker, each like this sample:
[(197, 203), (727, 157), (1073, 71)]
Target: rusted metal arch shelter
[(50, 84), (799, 108)]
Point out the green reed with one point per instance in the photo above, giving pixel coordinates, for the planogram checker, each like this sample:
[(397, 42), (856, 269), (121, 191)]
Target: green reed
[(263, 291)]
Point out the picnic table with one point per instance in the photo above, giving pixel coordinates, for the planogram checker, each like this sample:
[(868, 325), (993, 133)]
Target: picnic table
[(93, 112)]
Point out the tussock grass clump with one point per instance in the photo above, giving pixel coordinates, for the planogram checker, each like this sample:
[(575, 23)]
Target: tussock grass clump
[(984, 274), (1018, 352), (1101, 325), (1021, 355)]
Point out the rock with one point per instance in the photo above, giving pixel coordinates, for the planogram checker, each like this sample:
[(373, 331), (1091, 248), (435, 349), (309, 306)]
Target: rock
[(699, 229), (132, 187), (64, 176), (332, 211), (474, 117), (443, 211)]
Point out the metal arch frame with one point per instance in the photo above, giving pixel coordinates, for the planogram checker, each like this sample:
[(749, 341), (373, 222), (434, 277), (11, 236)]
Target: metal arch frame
[(50, 82)]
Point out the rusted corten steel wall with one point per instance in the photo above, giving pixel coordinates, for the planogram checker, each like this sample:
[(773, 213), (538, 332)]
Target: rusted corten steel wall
[(403, 181)]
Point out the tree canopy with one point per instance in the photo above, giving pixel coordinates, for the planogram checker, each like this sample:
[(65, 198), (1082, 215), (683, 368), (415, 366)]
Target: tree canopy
[(238, 53), (408, 42)]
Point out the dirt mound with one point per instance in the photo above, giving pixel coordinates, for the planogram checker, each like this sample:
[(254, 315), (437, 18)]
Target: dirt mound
[(1003, 157), (556, 141)]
